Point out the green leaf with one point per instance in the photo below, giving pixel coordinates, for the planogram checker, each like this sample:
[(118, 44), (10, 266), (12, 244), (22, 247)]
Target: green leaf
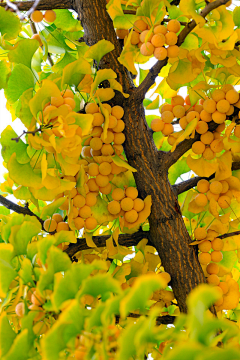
[(236, 16), (136, 298), (180, 73), (84, 121), (74, 72), (69, 324), (22, 234), (23, 111), (4, 71), (148, 6), (65, 236), (4, 211), (56, 261), (142, 74), (50, 209), (100, 284), (98, 50), (10, 146), (20, 347), (7, 272), (191, 42), (10, 25), (228, 261), (23, 52), (66, 21), (7, 335), (24, 174), (48, 89), (25, 272), (67, 287), (179, 168), (20, 80), (64, 61)]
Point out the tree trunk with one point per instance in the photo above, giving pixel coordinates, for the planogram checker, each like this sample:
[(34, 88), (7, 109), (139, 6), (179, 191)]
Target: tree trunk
[(167, 229)]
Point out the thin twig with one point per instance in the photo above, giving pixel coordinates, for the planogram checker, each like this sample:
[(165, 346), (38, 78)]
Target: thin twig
[(166, 319), (27, 132)]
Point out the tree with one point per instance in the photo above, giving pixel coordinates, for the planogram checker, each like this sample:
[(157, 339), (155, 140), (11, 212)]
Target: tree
[(97, 180)]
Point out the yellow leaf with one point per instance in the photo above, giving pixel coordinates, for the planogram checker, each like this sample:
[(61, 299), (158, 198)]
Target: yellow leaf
[(224, 169), (44, 165), (118, 161), (189, 129), (112, 250), (202, 167), (194, 208), (188, 7), (89, 240)]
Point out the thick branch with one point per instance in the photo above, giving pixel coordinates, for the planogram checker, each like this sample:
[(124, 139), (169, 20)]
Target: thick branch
[(189, 184), (18, 209), (43, 5), (100, 241), (154, 71), (234, 233)]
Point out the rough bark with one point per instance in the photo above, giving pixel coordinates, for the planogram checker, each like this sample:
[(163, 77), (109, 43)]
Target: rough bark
[(43, 5), (167, 230)]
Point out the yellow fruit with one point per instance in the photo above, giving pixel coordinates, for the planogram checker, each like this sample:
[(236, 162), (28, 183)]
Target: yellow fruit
[(85, 212), (131, 192), (112, 122), (210, 196), (191, 115), (96, 131), (91, 199), (114, 207), (135, 38), (213, 279), (216, 256), (20, 309), (208, 154), (79, 201), (183, 123), (212, 268), (91, 108), (50, 16), (36, 299), (102, 180), (121, 33), (160, 29), (173, 51), (174, 26), (37, 16), (118, 194), (147, 49), (105, 168), (93, 169), (168, 129), (127, 204), (223, 106), (37, 37), (171, 38), (204, 258), (145, 36), (202, 127), (119, 138), (40, 328), (158, 40), (71, 102), (198, 147), (167, 116), (205, 116), (178, 111), (131, 216), (138, 204), (201, 200), (218, 117), (209, 106), (203, 186), (90, 223), (204, 246), (224, 286), (57, 217), (224, 201), (92, 185), (218, 95), (157, 125), (165, 276), (119, 127), (79, 223), (166, 107), (106, 189), (200, 233), (62, 226), (50, 225), (232, 96), (216, 187), (96, 143), (140, 26)]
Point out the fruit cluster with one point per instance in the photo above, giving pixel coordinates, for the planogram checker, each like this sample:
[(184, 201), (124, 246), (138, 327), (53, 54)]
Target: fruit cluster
[(153, 43), (49, 16), (126, 203)]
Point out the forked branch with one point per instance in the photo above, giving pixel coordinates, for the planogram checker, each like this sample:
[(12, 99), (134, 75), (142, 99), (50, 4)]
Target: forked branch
[(154, 71)]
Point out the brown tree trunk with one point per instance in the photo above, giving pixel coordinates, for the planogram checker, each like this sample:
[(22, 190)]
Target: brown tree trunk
[(167, 229)]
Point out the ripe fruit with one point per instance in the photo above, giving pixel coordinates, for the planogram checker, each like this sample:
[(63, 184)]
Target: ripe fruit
[(173, 51), (20, 309), (201, 200), (131, 216), (173, 25), (217, 244), (79, 223), (37, 16), (209, 106), (157, 125), (167, 116), (212, 268), (213, 279), (232, 96), (85, 212), (158, 40), (203, 186), (50, 225), (140, 26), (36, 299), (171, 38), (160, 29), (114, 207), (62, 226), (57, 217), (127, 204), (204, 246), (223, 106), (216, 256), (79, 201), (200, 233), (224, 202), (216, 187), (121, 33), (198, 147), (50, 16), (91, 199), (131, 192), (138, 204), (90, 223), (204, 258), (118, 194), (91, 108), (147, 49)]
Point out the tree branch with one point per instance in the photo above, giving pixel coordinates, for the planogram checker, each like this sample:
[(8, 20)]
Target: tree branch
[(234, 233), (189, 184), (43, 5), (100, 241), (18, 209), (166, 319), (154, 71)]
